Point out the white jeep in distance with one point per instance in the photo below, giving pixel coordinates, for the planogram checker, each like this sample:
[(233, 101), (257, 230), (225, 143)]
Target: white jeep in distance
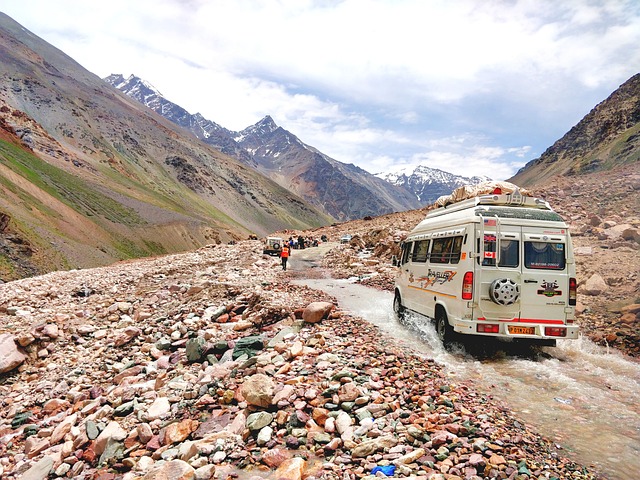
[(273, 246)]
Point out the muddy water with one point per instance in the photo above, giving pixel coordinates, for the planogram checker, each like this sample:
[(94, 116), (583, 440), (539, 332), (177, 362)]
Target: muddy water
[(583, 397)]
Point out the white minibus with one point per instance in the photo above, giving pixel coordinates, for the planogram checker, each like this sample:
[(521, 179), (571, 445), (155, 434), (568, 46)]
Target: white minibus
[(496, 265)]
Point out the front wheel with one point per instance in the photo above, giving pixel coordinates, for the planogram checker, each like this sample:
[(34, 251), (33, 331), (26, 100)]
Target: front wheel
[(443, 329), (398, 308)]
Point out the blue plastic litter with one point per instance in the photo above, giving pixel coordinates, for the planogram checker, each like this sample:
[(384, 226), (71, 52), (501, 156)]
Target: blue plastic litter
[(388, 470)]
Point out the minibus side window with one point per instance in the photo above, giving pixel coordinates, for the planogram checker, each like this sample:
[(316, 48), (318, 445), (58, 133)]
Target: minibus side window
[(406, 250), (457, 248), (420, 250), (544, 256), (441, 250)]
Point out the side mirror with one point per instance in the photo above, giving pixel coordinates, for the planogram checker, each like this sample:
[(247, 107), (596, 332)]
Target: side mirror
[(394, 261)]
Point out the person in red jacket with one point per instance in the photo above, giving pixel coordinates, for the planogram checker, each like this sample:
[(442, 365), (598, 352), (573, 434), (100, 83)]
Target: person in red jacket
[(284, 256)]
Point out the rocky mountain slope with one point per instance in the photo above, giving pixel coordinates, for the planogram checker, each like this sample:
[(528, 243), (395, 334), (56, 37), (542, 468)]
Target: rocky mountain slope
[(608, 136), (341, 190), (88, 177), (427, 184), (344, 191), (206, 130)]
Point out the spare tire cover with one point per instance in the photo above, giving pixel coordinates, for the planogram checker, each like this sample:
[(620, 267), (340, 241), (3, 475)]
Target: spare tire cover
[(504, 291)]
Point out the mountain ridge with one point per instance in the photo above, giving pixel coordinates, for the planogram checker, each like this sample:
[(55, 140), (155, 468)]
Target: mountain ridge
[(283, 157), (427, 183)]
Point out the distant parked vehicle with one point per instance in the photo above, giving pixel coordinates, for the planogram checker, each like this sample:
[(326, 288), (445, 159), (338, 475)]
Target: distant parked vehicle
[(273, 246), (345, 238)]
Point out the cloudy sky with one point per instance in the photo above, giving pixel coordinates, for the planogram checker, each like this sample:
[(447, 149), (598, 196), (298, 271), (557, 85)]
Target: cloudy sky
[(466, 86)]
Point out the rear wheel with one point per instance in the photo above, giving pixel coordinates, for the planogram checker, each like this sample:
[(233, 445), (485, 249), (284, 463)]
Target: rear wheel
[(443, 329), (398, 308)]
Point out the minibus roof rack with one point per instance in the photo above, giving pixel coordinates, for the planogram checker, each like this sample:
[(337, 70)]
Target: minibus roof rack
[(514, 199)]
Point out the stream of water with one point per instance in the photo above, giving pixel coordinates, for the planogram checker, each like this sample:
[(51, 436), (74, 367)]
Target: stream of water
[(583, 397)]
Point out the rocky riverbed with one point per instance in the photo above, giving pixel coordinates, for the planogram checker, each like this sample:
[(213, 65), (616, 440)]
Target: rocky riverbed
[(210, 364)]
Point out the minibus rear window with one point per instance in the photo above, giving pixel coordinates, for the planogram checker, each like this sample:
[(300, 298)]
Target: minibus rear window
[(544, 256), (509, 252), (420, 250)]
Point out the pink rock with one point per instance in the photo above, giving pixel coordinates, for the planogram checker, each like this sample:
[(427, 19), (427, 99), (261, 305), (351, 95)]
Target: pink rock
[(126, 336), (348, 392), (476, 460), (283, 394), (144, 432), (63, 428), (275, 457), (51, 330), (594, 286), (174, 469), (442, 437), (35, 445), (160, 408)]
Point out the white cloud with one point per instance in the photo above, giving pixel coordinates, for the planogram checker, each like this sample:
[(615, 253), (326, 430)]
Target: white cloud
[(467, 86)]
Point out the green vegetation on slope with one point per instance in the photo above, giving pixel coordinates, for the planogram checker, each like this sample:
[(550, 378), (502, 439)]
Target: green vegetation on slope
[(65, 187)]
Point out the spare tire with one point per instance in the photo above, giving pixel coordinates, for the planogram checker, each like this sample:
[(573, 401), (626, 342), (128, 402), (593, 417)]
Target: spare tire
[(276, 246), (504, 291)]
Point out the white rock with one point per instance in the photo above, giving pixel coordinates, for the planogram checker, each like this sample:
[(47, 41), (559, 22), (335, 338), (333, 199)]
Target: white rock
[(594, 286), (160, 408), (10, 356)]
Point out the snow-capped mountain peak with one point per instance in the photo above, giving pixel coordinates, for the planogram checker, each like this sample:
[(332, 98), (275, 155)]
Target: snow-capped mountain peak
[(133, 86), (428, 183)]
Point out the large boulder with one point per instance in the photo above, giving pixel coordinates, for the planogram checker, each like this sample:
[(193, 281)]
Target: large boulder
[(594, 286), (316, 311), (258, 390), (10, 355)]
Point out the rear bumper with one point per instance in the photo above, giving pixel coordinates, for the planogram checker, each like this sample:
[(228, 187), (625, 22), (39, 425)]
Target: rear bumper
[(470, 327)]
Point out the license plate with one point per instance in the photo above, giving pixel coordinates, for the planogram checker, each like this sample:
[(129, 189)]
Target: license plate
[(515, 330)]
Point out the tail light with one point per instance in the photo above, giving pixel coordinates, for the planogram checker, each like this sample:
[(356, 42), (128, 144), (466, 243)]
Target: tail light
[(488, 328), (573, 287), (555, 332), (467, 286)]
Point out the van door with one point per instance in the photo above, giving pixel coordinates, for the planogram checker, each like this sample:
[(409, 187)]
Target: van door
[(498, 272), (416, 273), (402, 280), (545, 275)]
